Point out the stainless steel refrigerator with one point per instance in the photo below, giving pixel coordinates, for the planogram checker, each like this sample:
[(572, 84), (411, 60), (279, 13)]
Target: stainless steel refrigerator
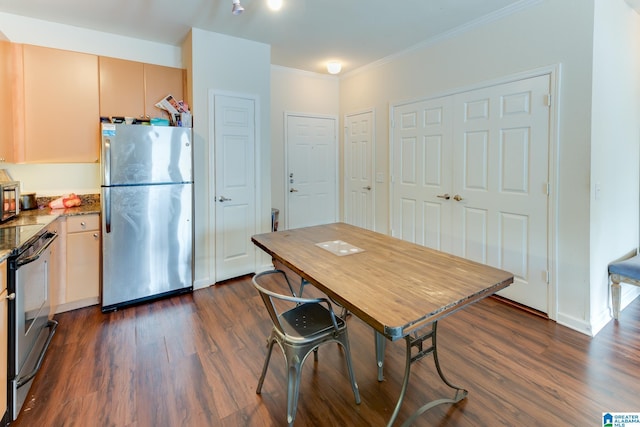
[(147, 213)]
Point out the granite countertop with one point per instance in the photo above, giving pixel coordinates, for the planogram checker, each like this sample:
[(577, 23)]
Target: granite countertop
[(83, 209), (90, 205), (44, 216)]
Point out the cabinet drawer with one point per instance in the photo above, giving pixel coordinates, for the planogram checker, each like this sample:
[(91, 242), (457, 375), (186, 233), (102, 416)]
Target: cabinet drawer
[(81, 223)]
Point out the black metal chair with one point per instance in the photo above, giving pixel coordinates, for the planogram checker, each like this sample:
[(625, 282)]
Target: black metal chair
[(300, 326)]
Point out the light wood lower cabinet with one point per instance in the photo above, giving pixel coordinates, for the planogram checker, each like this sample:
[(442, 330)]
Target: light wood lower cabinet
[(57, 266), (4, 334), (76, 283), (83, 258)]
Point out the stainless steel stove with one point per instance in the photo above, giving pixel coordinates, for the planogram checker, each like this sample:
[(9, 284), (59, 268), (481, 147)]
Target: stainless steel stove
[(14, 237), (30, 330)]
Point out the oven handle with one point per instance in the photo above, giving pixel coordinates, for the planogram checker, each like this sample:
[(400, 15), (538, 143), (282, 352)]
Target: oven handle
[(51, 236), (52, 325)]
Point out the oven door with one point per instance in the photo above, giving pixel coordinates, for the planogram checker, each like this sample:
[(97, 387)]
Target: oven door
[(33, 329)]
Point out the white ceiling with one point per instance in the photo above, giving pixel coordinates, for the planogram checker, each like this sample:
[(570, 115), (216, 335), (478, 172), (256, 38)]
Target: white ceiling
[(304, 34)]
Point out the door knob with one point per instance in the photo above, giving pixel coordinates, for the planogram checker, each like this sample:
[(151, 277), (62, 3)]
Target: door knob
[(368, 187), (293, 190), (457, 198), (223, 199), (444, 196)]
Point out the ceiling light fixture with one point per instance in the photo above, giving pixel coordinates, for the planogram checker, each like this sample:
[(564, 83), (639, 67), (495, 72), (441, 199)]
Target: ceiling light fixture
[(237, 8), (274, 4), (334, 67)]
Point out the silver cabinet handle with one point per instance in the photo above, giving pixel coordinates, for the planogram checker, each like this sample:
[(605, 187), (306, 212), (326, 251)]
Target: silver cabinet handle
[(293, 190), (457, 198), (223, 199), (11, 296), (444, 196), (368, 187)]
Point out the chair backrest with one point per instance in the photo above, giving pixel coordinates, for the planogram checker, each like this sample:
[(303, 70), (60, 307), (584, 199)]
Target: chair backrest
[(277, 279)]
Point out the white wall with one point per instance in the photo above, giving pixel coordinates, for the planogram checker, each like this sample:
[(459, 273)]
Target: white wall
[(548, 33), (223, 63), (615, 154), (295, 91)]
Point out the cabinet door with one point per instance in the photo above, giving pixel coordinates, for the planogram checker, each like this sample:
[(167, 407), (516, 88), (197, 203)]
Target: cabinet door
[(83, 262), (8, 75), (56, 266), (61, 106), (121, 88), (159, 82), (4, 331)]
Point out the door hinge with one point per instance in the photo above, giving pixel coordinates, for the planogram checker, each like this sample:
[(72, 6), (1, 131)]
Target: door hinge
[(393, 123), (547, 100), (545, 276), (547, 189)]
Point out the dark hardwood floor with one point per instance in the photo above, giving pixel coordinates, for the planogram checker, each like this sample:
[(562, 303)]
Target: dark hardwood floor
[(194, 360)]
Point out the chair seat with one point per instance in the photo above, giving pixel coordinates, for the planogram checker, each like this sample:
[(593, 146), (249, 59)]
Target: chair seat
[(308, 320), (627, 271), (628, 268)]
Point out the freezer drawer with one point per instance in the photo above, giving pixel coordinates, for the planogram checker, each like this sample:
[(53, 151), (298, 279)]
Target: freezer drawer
[(147, 242)]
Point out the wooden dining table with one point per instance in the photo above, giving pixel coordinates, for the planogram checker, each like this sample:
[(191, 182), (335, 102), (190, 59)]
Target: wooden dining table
[(399, 288)]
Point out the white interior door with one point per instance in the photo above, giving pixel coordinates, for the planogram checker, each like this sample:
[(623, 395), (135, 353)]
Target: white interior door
[(501, 177), (235, 185), (311, 171), (359, 191), (470, 177), (422, 179)]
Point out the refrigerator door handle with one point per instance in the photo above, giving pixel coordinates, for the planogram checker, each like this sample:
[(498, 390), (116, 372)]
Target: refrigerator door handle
[(107, 210), (107, 162)]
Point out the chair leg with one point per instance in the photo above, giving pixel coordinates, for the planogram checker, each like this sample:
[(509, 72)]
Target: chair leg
[(615, 299), (344, 340), (272, 341), (293, 387)]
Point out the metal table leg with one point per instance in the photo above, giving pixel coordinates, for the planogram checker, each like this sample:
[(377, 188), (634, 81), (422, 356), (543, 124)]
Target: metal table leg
[(416, 341), (381, 343)]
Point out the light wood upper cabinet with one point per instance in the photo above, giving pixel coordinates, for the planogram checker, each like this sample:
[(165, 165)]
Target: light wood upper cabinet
[(61, 107), (131, 89), (121, 84), (159, 82), (10, 66)]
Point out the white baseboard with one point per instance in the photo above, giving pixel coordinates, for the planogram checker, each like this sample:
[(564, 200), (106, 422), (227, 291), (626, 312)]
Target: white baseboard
[(576, 324), (202, 283)]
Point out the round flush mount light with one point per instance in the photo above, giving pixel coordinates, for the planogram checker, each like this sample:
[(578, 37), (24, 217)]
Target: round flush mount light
[(274, 4), (334, 67)]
